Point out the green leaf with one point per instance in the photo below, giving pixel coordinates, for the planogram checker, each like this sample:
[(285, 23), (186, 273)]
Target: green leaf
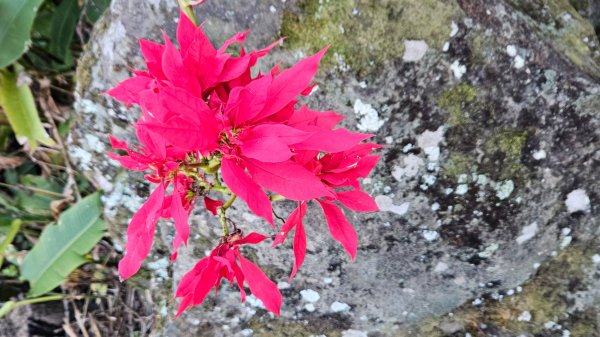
[(16, 19), (10, 235), (95, 8), (61, 247), (17, 101), (63, 25)]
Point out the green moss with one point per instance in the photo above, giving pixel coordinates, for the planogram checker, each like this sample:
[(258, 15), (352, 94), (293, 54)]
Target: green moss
[(566, 29), (580, 5), (455, 100), (331, 326), (365, 34), (544, 297), (457, 164), (503, 151)]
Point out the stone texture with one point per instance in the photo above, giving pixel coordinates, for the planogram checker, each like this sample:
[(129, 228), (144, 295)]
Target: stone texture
[(460, 175)]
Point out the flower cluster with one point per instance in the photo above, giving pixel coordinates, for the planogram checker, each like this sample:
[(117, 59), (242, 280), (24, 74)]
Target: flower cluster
[(211, 130)]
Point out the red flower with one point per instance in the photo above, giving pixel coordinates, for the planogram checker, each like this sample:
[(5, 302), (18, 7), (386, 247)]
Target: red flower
[(226, 261)]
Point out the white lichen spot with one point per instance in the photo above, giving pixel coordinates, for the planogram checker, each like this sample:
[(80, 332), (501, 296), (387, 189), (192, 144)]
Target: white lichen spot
[(314, 89), (254, 301), (489, 251), (430, 235), (429, 141), (536, 265), (283, 285), (429, 179), (527, 233), (339, 307), (539, 155), (81, 156), (446, 46), (272, 9), (519, 62), (566, 241), (309, 307), (577, 201), (94, 143), (477, 301), (504, 189), (511, 50), (407, 147), (160, 267), (550, 325), (310, 295), (412, 164), (354, 333), (435, 206), (596, 259), (525, 316), (327, 280), (385, 203), (414, 50), (246, 332), (458, 69), (566, 333), (482, 179), (368, 116), (461, 189), (389, 140), (462, 179), (453, 29), (440, 267)]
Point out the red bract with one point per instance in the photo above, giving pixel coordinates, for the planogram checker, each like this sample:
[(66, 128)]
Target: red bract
[(207, 127), (223, 263)]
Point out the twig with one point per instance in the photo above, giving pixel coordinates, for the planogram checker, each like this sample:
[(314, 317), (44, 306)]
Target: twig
[(71, 182)]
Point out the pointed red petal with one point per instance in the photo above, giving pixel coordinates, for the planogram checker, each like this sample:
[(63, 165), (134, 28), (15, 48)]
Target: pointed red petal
[(153, 53), (288, 179), (128, 91), (212, 205), (299, 248), (341, 230), (293, 219), (260, 285), (290, 83), (331, 140), (357, 200), (180, 217), (140, 233), (238, 181), (185, 33), (252, 238)]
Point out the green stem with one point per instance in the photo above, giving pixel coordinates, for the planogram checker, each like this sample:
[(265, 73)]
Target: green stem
[(10, 305), (188, 10), (15, 225), (229, 202), (222, 217)]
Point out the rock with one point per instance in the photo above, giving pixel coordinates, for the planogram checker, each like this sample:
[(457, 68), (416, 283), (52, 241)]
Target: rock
[(473, 114)]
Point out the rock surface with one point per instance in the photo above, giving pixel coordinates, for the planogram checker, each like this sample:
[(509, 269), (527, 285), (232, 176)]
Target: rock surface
[(489, 115)]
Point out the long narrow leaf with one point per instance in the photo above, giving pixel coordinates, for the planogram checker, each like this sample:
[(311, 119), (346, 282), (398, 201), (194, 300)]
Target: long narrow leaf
[(18, 104), (61, 247), (16, 19)]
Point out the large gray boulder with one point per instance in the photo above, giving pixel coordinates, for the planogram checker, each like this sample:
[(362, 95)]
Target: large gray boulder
[(488, 112)]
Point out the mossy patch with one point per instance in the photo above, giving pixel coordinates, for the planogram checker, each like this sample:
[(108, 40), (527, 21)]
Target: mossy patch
[(457, 164), (365, 34), (568, 31), (544, 297), (503, 151), (329, 325), (456, 101)]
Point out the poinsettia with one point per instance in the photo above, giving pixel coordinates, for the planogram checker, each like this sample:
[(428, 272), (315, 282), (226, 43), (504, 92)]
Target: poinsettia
[(226, 261), (210, 129)]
